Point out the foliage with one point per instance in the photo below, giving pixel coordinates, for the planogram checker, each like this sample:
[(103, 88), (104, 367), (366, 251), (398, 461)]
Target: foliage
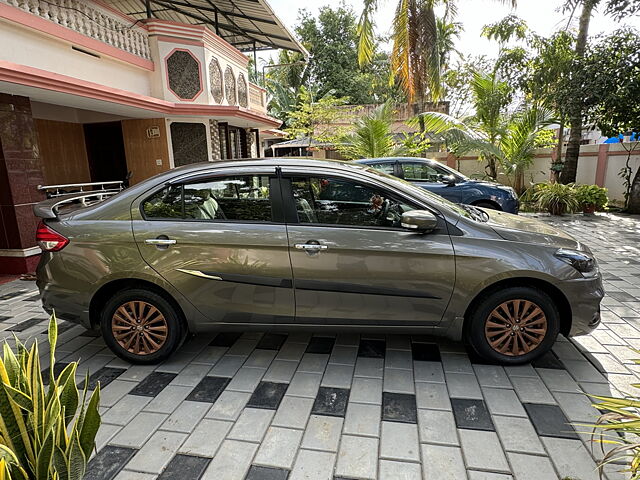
[(619, 425), (415, 144), (592, 195), (284, 79), (331, 39), (457, 84), (317, 118), (372, 136), (555, 198), (42, 434)]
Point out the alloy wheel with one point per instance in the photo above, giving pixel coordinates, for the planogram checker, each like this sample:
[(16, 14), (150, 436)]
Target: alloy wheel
[(139, 327), (516, 327)]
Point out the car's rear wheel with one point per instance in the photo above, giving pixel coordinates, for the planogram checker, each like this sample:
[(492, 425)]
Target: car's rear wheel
[(514, 325), (141, 326)]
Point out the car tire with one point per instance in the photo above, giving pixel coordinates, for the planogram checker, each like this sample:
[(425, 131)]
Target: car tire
[(513, 325), (489, 205), (141, 326)]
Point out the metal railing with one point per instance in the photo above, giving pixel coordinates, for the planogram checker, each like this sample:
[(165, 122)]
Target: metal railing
[(53, 191)]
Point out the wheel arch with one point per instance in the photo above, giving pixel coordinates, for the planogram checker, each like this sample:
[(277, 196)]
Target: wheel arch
[(564, 307), (103, 294), (495, 204)]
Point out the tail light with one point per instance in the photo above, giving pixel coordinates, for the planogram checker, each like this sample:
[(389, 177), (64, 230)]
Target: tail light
[(49, 240)]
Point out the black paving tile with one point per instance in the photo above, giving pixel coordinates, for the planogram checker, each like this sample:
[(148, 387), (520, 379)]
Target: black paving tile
[(268, 395), (4, 318), (33, 298), (472, 414), (108, 462), (272, 341), (209, 389), (548, 360), (549, 421), (225, 339), (321, 345), (331, 401), (104, 376), (399, 407), (372, 348), (153, 384), (425, 352), (10, 295), (22, 326), (90, 333), (58, 367), (266, 473), (186, 467)]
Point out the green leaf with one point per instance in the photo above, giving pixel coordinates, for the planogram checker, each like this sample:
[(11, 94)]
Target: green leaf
[(69, 394), (7, 454), (53, 339), (11, 363), (77, 461), (21, 399), (91, 424), (44, 458), (59, 462)]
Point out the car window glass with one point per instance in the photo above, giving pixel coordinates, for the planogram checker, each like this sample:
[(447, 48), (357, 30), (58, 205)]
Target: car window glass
[(421, 171), (243, 198), (383, 167), (337, 201)]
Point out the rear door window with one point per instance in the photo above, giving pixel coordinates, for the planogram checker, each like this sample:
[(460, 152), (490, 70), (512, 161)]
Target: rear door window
[(419, 171)]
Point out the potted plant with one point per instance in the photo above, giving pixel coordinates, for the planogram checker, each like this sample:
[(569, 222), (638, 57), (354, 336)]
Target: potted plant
[(591, 198), (555, 198)]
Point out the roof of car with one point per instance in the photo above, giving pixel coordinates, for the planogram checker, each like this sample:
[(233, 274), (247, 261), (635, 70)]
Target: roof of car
[(394, 159)]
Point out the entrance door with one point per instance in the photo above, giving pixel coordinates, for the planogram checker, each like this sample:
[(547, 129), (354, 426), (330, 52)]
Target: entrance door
[(105, 151), (217, 241), (353, 263)]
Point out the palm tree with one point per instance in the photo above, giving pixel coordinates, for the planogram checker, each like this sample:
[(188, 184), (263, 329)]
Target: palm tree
[(372, 136), (416, 58)]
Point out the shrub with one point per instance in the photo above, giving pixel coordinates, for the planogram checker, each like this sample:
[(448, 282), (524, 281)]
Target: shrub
[(592, 195), (555, 198), (44, 434)]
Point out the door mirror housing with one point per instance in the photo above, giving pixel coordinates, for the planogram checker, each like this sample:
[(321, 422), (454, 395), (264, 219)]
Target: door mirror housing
[(422, 221), (449, 180)]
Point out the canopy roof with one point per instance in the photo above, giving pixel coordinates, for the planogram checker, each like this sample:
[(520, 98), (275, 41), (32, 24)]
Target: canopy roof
[(245, 24)]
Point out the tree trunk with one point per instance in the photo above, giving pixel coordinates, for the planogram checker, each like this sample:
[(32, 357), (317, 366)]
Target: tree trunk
[(568, 174), (634, 197), (554, 175)]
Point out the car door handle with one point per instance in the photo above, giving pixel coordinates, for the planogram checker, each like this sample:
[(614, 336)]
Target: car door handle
[(310, 246), (162, 242)]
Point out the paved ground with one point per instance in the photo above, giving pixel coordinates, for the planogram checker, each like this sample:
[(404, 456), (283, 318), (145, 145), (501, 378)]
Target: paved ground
[(269, 406)]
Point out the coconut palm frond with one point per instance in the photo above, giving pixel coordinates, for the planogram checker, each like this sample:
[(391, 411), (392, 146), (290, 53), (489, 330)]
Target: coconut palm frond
[(402, 57), (366, 40)]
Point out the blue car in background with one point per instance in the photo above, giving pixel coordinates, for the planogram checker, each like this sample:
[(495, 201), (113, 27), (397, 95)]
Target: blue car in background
[(447, 182)]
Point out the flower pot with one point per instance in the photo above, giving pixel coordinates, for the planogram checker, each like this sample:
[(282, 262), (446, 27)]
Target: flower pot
[(588, 208)]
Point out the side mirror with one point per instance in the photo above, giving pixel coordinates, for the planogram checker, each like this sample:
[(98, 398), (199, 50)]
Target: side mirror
[(422, 221), (448, 179)]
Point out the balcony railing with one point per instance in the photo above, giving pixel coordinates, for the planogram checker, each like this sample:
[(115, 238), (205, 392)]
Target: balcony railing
[(257, 98), (90, 20)]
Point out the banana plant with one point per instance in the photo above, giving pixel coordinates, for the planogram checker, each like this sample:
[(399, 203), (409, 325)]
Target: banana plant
[(45, 433)]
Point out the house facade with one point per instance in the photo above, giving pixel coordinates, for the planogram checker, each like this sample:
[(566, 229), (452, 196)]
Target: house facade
[(103, 90)]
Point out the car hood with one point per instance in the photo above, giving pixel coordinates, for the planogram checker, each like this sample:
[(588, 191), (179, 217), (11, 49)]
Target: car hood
[(518, 228)]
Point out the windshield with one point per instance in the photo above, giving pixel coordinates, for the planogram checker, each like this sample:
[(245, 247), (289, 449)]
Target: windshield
[(437, 200)]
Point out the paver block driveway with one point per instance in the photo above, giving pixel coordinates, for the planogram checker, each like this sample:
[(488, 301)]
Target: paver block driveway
[(239, 405)]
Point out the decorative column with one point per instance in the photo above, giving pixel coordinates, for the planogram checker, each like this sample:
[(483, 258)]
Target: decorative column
[(601, 166), (20, 174), (214, 133)]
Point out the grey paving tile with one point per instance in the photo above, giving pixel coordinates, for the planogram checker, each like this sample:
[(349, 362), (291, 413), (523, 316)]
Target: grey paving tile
[(399, 441), (478, 475), (432, 395), (577, 407), (227, 366), (291, 351), (305, 384), (571, 458), (463, 385), (344, 355), (482, 451), (390, 470), (437, 426), (206, 438), (369, 367), (583, 371), (362, 419), (246, 380), (442, 462), (322, 433), (456, 363), (313, 363), (521, 371), (147, 458), (125, 410), (251, 425), (105, 433), (228, 406), (186, 417), (518, 435), (168, 399), (366, 390), (210, 355), (428, 372), (338, 376), (260, 358), (185, 466), (280, 371), (358, 457), (232, 461), (136, 433), (531, 467), (398, 359), (501, 401), (279, 448), (191, 375), (532, 390), (313, 465), (131, 475), (293, 412), (114, 392), (398, 381), (558, 380)]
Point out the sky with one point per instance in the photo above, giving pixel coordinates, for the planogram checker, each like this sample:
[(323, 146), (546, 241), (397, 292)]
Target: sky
[(542, 16)]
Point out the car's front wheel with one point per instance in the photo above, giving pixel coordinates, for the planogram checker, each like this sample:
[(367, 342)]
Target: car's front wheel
[(141, 326), (513, 325)]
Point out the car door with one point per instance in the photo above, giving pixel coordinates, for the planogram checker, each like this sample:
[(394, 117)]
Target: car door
[(353, 263), (220, 240), (429, 177)]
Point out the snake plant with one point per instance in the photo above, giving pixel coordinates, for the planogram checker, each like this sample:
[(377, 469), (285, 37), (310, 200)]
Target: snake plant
[(45, 433)]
